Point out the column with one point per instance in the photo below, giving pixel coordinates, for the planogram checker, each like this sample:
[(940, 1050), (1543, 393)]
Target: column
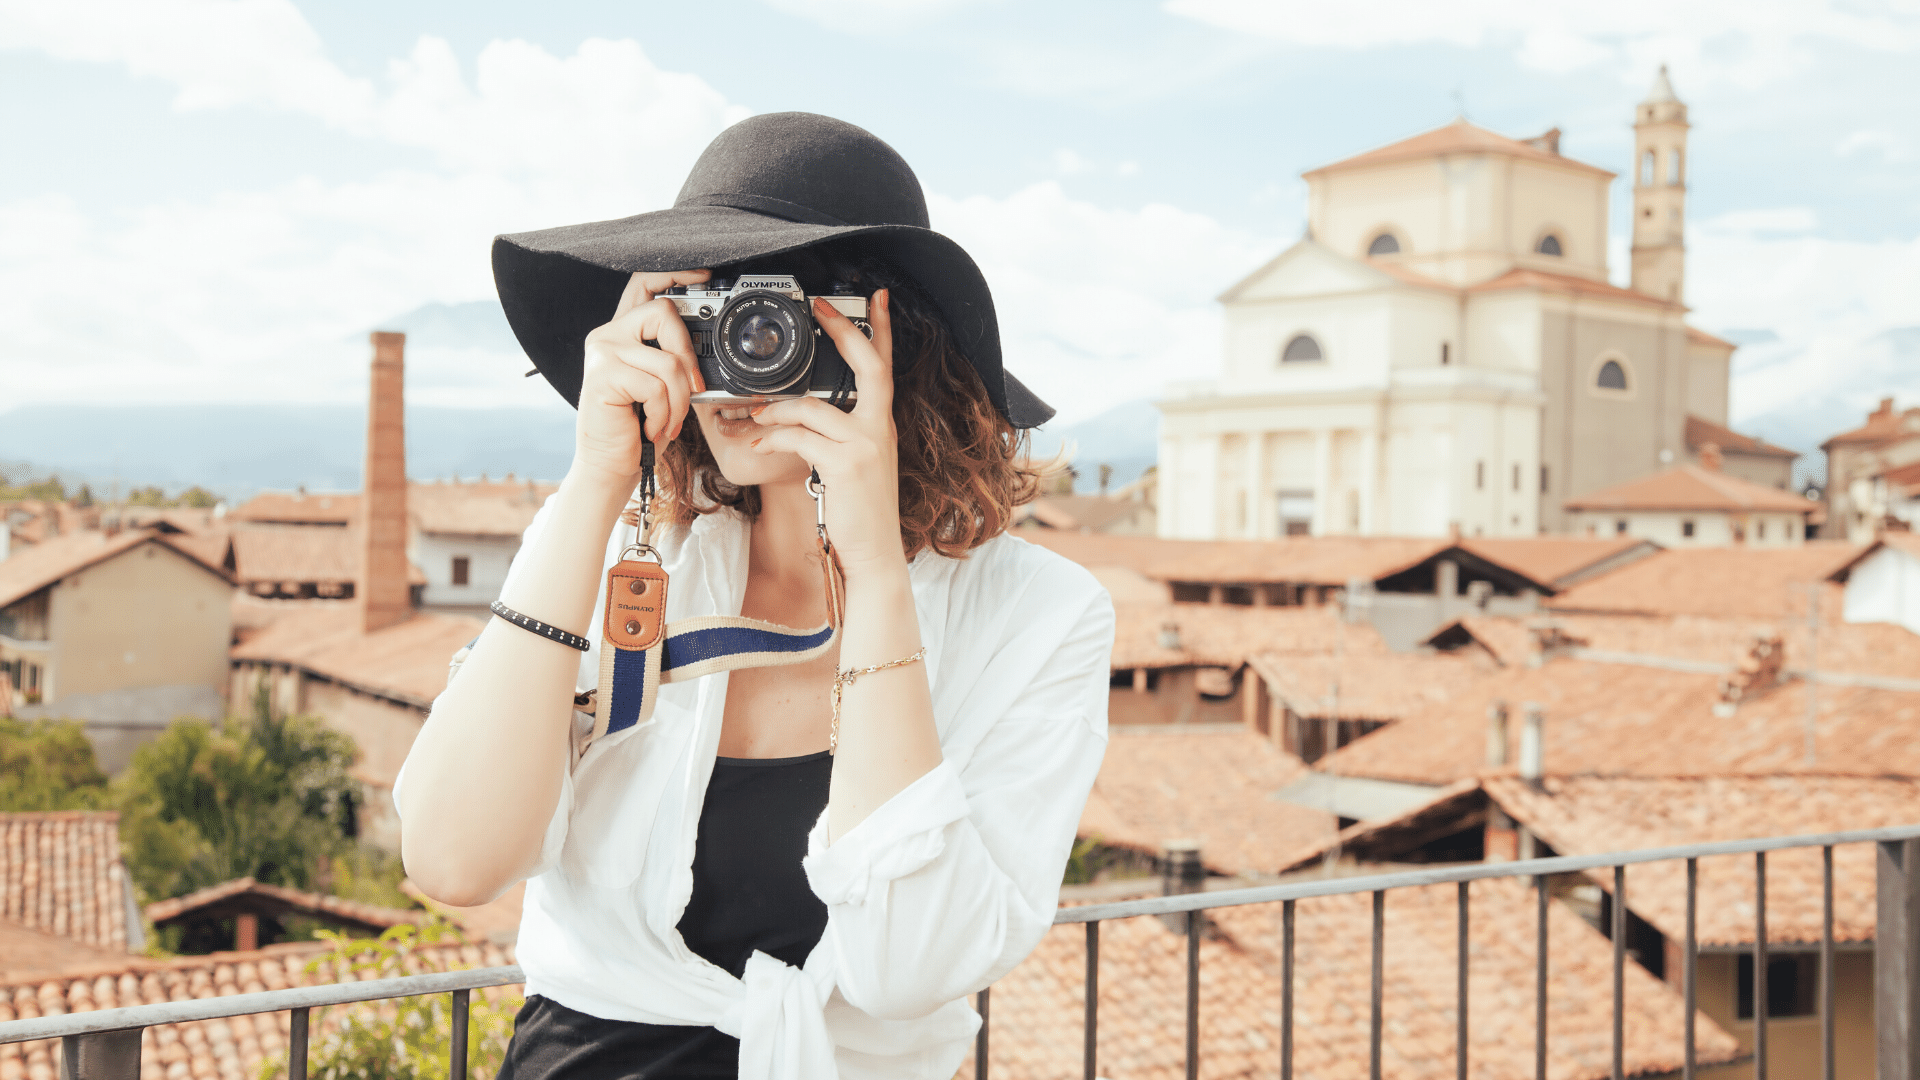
[(1258, 525), (1322, 481)]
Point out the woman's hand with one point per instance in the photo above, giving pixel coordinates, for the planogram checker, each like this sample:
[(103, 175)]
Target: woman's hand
[(620, 369), (856, 453)]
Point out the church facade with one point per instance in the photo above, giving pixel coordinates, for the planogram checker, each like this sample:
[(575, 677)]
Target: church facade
[(1443, 352)]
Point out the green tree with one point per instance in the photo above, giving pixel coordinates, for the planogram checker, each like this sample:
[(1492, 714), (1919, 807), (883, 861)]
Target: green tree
[(84, 498), (197, 497), (408, 1038), (263, 797), (48, 765)]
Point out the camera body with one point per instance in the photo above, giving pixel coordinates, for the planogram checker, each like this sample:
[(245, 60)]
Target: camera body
[(756, 340)]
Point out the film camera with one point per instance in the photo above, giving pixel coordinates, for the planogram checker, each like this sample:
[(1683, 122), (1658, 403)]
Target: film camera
[(755, 338)]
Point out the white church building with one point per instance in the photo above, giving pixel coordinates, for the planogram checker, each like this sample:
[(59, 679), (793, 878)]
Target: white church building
[(1443, 351)]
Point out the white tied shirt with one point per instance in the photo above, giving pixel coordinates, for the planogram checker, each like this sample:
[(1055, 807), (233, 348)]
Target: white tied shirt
[(939, 892)]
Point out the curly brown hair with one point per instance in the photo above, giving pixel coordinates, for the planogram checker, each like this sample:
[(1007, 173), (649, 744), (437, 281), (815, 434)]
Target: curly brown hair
[(963, 467)]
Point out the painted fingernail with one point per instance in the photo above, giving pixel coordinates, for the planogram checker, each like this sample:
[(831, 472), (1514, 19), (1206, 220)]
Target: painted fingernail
[(755, 442), (757, 410)]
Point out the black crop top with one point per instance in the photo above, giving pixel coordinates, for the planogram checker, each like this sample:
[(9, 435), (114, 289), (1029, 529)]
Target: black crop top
[(749, 893)]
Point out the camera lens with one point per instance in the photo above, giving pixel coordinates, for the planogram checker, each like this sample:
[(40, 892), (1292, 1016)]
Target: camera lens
[(764, 342), (759, 338)]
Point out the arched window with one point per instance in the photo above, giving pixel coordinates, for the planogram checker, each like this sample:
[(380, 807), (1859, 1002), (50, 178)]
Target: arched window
[(1674, 174), (1384, 244), (1548, 245), (1302, 347), (1646, 170), (1613, 376)]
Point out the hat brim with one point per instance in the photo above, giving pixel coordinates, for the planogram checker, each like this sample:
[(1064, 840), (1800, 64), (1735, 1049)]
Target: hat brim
[(557, 285)]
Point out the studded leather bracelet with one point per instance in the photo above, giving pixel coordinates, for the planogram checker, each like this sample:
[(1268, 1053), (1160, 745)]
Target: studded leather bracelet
[(552, 633)]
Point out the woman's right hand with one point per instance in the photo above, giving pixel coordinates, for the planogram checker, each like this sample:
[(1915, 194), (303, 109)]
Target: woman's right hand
[(620, 370)]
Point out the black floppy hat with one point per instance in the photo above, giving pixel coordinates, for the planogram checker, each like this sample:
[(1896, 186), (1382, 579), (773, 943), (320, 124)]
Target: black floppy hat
[(769, 184)]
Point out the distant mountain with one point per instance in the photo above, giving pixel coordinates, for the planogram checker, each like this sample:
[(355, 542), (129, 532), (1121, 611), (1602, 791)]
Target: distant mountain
[(1126, 437), (235, 450), (1799, 396), (476, 324)]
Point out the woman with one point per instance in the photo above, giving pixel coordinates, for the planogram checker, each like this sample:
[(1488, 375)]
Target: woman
[(712, 892)]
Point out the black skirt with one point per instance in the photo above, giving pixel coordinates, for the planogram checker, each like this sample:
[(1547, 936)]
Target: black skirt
[(749, 894)]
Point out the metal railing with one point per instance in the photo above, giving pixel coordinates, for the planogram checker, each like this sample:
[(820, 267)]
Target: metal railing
[(105, 1044), (1896, 963)]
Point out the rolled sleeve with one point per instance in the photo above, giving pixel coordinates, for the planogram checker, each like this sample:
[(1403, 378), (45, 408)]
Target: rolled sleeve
[(906, 833)]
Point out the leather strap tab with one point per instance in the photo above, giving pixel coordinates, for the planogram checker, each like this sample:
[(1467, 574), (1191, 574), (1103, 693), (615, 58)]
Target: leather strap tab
[(636, 604)]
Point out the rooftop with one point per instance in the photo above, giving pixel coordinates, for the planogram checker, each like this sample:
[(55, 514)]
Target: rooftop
[(1883, 425), (1306, 560), (61, 874), (1615, 718), (1559, 560), (1700, 432), (1459, 137), (1591, 815), (1693, 487), (1225, 635), (48, 561), (1722, 582), (246, 894), (406, 662), (1038, 1008), (1204, 782), (1569, 285)]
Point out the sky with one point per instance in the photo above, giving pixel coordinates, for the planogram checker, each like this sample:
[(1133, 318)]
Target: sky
[(214, 200)]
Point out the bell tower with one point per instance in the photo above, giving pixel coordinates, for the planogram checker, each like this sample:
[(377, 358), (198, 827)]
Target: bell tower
[(1660, 192)]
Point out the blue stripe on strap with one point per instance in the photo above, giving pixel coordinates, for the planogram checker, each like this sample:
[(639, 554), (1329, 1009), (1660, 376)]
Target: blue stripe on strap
[(695, 646), (629, 688)]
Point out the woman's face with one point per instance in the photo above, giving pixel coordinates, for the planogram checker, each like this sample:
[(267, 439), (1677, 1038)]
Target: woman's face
[(730, 432)]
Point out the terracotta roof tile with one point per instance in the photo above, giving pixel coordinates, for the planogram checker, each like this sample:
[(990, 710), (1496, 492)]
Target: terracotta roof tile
[(1382, 686), (297, 507), (406, 662), (1726, 582), (1570, 285), (1038, 1008), (480, 509), (1584, 815), (1317, 560), (1458, 137), (1224, 635), (1551, 559), (61, 874), (236, 1047), (1078, 513), (1626, 719), (44, 563), (1700, 432), (1905, 478), (1691, 487), (33, 954), (280, 897), (1211, 783)]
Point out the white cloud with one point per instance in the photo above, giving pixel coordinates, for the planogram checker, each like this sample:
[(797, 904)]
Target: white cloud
[(265, 294), (1099, 306), (1747, 42)]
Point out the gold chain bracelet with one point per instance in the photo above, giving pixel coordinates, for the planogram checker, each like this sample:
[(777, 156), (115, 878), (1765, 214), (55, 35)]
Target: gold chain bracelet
[(844, 679)]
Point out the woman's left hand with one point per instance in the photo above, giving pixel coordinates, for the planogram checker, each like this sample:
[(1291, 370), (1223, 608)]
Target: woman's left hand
[(856, 453)]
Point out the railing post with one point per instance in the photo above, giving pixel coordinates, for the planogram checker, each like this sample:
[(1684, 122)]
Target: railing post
[(457, 1053), (102, 1055), (981, 1003), (297, 1044), (1896, 959)]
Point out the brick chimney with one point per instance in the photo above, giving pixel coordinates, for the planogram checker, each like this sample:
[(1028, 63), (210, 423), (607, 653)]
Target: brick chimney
[(382, 589), (1710, 458), (1181, 872)]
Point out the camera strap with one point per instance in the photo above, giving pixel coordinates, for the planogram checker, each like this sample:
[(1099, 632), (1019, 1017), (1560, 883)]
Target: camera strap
[(639, 650)]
